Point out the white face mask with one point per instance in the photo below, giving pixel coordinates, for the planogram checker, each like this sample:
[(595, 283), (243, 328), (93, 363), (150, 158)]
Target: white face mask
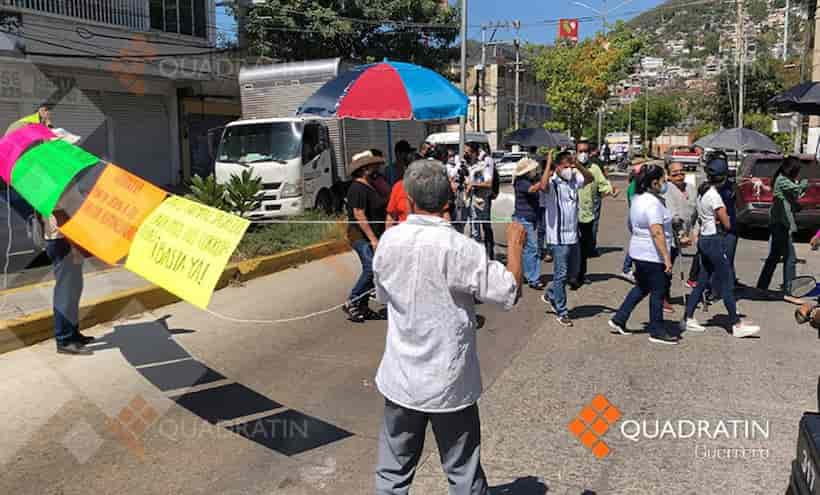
[(583, 157), (567, 174)]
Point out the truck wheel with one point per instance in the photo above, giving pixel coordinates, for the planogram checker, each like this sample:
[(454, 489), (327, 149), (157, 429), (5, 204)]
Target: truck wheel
[(324, 202)]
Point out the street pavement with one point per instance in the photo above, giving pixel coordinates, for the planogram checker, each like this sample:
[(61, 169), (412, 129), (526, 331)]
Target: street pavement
[(232, 407)]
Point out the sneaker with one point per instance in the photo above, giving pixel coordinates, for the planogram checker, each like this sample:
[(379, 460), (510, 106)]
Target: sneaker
[(628, 276), (665, 339), (743, 329), (548, 301), (539, 285), (73, 348), (83, 339), (621, 329), (354, 313), (667, 307), (692, 325), (564, 321), (691, 284)]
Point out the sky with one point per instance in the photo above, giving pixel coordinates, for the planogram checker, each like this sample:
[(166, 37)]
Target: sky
[(530, 13)]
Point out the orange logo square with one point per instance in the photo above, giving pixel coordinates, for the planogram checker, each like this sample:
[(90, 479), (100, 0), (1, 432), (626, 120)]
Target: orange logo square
[(593, 422)]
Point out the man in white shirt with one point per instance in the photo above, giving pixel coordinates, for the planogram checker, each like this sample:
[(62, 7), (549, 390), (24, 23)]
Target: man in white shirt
[(428, 275), (559, 188), (480, 188)]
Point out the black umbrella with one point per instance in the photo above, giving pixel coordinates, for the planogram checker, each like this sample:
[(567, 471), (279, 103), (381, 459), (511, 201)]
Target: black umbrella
[(803, 98), (739, 140), (538, 137)]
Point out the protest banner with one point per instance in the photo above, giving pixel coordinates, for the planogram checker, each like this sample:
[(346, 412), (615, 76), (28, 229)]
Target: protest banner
[(184, 246), (112, 212), (18, 142), (43, 173)]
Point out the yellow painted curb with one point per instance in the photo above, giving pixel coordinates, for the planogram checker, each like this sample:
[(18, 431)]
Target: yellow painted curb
[(37, 327)]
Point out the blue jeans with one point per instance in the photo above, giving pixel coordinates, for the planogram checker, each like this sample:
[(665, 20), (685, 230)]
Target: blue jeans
[(780, 246), (627, 268), (650, 280), (365, 282), (531, 261), (482, 228), (68, 288), (714, 265), (542, 231), (597, 206), (564, 255)]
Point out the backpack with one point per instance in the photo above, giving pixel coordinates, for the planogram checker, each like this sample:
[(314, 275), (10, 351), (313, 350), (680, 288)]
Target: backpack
[(496, 183)]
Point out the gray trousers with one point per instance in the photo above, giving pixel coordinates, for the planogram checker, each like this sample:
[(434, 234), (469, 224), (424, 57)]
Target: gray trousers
[(458, 435)]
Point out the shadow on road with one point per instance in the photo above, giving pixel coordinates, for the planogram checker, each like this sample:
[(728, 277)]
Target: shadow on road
[(152, 350), (589, 311), (522, 486)]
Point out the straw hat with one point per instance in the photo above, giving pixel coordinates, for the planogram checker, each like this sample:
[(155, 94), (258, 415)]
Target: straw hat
[(363, 159), (525, 166)]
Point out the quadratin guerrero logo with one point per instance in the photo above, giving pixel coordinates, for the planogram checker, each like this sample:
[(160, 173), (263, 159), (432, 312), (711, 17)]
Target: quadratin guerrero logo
[(593, 422), (600, 416)]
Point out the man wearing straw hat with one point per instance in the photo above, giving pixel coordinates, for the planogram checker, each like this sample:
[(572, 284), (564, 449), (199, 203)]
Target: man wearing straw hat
[(527, 187)]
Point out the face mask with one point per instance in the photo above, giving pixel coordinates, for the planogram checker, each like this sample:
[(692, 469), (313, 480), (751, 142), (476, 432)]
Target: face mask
[(583, 158), (664, 188), (532, 175), (567, 174)]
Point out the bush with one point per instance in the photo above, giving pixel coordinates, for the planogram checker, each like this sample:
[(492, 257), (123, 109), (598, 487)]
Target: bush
[(267, 239), (242, 192), (208, 192)]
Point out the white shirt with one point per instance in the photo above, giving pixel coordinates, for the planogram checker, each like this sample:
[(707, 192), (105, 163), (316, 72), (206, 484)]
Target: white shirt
[(561, 209), (708, 204), (427, 274), (481, 172), (648, 210)]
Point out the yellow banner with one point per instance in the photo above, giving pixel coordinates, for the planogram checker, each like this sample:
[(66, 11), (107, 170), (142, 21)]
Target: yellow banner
[(183, 247)]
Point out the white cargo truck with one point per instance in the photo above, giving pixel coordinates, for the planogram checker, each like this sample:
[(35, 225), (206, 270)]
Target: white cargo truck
[(301, 161)]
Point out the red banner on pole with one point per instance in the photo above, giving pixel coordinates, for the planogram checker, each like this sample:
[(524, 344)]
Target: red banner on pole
[(568, 29)]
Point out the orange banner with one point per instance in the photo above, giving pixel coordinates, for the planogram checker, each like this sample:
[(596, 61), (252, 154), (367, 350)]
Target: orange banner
[(107, 221)]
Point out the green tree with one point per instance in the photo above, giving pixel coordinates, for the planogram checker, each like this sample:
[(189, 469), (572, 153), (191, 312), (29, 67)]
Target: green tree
[(577, 77), (758, 10), (763, 80), (663, 111), (417, 31)]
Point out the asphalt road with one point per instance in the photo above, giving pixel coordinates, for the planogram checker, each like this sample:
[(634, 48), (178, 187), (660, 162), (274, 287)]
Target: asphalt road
[(290, 408)]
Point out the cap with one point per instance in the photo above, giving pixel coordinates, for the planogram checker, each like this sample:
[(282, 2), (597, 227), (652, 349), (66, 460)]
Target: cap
[(717, 167)]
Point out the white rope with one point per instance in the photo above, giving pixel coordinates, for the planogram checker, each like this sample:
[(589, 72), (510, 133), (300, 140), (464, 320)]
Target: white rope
[(289, 320)]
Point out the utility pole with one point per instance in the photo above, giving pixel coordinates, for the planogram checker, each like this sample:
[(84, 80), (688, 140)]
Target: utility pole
[(462, 121), (629, 131), (517, 25), (483, 80), (786, 34), (600, 125), (814, 121), (646, 125), (741, 48)]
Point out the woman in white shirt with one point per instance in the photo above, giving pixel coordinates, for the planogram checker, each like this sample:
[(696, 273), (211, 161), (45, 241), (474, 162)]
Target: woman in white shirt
[(650, 250), (714, 261)]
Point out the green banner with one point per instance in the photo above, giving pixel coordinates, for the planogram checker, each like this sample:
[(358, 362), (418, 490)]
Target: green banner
[(43, 173)]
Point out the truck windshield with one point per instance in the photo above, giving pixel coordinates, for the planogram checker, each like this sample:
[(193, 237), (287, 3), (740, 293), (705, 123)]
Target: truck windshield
[(276, 141)]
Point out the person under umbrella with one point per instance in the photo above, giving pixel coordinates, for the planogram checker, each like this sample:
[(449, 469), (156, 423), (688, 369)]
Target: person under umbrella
[(527, 186), (712, 246), (366, 215)]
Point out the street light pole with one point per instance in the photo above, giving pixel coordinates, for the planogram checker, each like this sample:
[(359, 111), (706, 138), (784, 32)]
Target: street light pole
[(517, 25), (462, 121), (741, 39), (629, 131)]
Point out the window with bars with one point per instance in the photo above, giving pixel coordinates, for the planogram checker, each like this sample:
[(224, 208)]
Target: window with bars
[(180, 16)]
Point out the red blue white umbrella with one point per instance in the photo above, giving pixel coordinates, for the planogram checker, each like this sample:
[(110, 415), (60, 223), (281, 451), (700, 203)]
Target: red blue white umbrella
[(387, 91)]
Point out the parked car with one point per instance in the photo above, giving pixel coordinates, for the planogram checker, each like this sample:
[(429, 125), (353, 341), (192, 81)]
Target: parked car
[(754, 191), (506, 166), (689, 156)]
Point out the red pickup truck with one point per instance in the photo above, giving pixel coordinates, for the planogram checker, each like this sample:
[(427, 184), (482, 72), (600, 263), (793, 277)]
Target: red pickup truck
[(689, 156)]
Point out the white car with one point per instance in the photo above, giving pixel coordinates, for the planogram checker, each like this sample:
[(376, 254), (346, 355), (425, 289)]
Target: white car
[(506, 165)]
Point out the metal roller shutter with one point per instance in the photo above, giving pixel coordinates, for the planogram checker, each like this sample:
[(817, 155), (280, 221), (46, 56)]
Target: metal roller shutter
[(9, 112), (361, 135), (142, 142), (86, 119)]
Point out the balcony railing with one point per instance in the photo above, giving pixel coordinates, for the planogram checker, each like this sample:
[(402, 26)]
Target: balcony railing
[(132, 14)]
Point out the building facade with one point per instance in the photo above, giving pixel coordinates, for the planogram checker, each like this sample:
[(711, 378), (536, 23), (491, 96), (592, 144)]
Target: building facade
[(140, 81), (492, 103)]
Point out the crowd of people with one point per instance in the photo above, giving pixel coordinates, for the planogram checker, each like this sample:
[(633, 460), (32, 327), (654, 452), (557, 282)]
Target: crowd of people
[(417, 261)]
